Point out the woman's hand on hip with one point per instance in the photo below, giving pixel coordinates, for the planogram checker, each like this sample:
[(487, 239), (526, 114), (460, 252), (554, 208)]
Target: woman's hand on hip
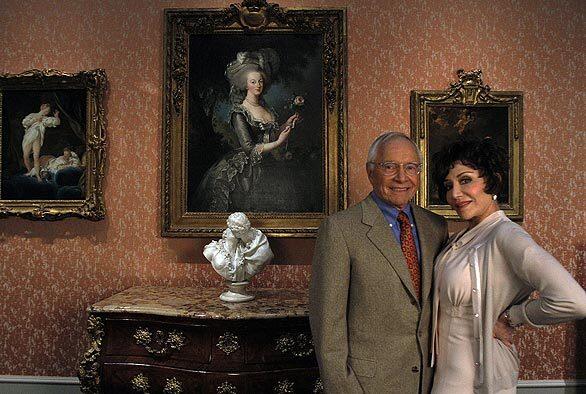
[(503, 331)]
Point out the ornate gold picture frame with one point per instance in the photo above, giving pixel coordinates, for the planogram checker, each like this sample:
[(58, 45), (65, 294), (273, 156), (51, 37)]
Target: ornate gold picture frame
[(52, 138), (468, 108), (277, 153)]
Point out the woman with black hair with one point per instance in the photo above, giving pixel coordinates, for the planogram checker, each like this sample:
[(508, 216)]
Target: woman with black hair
[(484, 276)]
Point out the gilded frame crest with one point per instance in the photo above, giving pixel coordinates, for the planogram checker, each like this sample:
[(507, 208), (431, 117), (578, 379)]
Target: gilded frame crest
[(221, 34), (70, 188), (469, 108)]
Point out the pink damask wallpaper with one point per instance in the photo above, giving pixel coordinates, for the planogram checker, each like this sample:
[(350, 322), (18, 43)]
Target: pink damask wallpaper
[(50, 272)]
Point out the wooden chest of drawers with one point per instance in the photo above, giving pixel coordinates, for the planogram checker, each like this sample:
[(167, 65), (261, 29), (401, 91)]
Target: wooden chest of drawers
[(185, 340)]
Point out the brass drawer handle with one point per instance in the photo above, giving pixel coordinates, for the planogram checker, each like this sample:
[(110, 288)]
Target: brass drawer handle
[(228, 343), (284, 386), (173, 386), (159, 343), (140, 384), (226, 388), (300, 345), (318, 387)]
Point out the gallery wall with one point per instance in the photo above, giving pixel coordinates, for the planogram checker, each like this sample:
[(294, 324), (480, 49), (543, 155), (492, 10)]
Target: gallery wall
[(50, 272)]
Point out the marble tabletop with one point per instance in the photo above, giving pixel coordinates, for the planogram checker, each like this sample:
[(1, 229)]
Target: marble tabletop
[(203, 303)]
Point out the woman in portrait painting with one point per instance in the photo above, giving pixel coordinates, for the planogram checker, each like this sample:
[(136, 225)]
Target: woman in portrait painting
[(230, 182), (34, 125), (484, 276)]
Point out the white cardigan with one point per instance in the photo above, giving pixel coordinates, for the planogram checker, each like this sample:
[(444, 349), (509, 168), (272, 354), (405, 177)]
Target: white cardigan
[(507, 266)]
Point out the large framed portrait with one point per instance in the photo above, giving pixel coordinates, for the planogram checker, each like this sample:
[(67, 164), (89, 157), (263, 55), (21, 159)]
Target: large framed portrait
[(254, 118), (469, 109), (52, 138)]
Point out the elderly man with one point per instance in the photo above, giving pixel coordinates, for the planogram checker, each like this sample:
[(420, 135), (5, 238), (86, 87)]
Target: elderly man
[(370, 302)]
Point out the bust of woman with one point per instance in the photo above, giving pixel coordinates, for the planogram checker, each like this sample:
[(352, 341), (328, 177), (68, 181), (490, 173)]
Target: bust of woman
[(242, 252)]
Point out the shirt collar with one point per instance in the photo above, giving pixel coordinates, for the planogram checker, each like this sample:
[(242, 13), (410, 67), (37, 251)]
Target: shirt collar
[(389, 210)]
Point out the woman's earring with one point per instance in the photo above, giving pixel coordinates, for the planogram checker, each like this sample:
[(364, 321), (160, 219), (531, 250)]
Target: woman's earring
[(494, 197)]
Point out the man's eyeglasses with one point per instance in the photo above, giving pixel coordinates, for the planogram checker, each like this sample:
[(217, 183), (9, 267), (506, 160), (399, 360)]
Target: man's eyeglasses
[(392, 168)]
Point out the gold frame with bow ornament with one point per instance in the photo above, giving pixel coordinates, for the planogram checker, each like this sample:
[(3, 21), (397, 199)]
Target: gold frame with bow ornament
[(311, 48)]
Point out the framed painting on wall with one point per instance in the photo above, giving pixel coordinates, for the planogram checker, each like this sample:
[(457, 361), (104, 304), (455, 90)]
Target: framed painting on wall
[(52, 138), (469, 109), (254, 118)]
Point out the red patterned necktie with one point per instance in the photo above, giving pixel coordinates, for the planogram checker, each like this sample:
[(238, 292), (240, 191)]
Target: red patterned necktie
[(410, 251)]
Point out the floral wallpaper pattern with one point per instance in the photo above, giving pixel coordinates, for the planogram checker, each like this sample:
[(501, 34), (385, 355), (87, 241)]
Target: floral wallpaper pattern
[(51, 272)]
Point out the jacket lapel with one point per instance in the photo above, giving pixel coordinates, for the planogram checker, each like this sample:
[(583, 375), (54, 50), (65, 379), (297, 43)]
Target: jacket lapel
[(427, 241), (383, 239)]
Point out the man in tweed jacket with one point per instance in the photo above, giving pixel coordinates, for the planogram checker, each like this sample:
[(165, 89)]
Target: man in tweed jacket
[(371, 329)]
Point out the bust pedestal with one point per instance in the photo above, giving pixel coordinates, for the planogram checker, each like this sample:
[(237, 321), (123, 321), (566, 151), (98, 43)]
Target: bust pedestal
[(237, 292)]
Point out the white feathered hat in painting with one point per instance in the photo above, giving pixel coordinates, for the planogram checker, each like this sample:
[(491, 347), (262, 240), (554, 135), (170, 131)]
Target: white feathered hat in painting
[(265, 61)]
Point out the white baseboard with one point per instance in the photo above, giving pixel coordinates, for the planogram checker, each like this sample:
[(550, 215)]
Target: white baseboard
[(20, 384), (16, 384), (551, 386)]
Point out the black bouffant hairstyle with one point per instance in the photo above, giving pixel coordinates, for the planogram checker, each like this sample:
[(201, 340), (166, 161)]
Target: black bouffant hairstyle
[(483, 155)]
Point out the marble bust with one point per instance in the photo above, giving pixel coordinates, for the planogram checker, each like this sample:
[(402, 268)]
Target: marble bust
[(242, 252)]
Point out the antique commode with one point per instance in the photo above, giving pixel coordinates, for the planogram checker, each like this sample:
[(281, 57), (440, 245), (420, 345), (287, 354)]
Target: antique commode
[(185, 340)]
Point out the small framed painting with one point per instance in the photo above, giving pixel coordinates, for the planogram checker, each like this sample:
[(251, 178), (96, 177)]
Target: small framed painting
[(52, 138), (469, 109)]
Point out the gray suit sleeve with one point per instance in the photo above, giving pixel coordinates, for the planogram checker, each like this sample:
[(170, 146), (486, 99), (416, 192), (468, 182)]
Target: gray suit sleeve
[(445, 234), (328, 300), (561, 298)]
